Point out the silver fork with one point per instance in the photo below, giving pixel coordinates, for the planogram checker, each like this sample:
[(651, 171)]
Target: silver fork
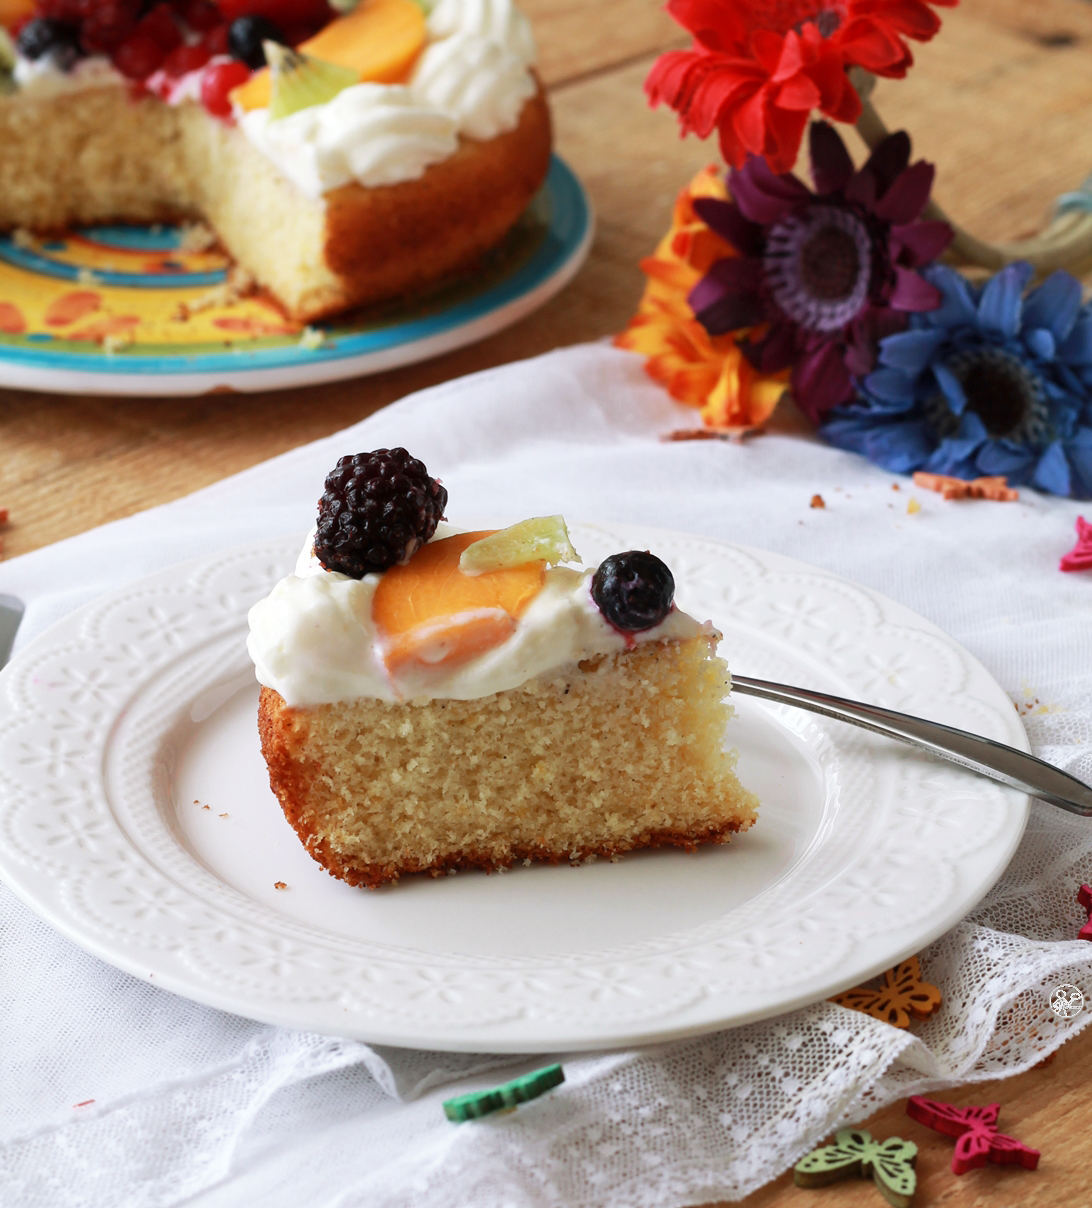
[(992, 759)]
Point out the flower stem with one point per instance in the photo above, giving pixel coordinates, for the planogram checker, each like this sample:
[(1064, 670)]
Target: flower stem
[(1066, 242)]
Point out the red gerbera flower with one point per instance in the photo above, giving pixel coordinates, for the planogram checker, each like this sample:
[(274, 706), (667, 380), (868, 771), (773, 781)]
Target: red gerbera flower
[(759, 67)]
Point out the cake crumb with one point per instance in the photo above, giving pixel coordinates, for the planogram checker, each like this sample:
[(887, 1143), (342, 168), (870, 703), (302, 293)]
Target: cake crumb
[(895, 486), (223, 815), (85, 276), (279, 885), (312, 338), (204, 807), (116, 341), (994, 487), (240, 284), (24, 240), (196, 237), (913, 506), (817, 501)]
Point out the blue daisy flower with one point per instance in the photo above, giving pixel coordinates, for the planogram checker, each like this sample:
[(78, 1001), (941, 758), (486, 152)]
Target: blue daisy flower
[(992, 382)]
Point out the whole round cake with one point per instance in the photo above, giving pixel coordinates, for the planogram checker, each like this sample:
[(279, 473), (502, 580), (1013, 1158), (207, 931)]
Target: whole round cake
[(341, 158)]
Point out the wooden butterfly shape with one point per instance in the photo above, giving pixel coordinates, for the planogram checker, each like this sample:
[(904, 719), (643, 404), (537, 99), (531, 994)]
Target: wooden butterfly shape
[(1084, 898), (902, 994), (890, 1164), (975, 1130)]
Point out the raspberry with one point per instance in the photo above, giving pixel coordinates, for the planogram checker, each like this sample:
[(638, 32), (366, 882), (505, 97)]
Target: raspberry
[(634, 590), (377, 510), (217, 83)]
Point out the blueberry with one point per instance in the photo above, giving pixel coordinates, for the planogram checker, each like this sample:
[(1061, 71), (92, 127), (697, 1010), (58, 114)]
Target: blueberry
[(46, 36), (634, 590), (245, 38)]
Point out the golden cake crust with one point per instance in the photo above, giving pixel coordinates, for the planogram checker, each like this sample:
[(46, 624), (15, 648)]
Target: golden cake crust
[(401, 238), (451, 819)]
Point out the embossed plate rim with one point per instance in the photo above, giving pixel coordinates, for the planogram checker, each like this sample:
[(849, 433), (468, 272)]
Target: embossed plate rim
[(695, 982)]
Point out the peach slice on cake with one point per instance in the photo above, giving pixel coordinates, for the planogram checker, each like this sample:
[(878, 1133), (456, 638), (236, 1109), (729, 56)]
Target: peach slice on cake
[(379, 40), (431, 612)]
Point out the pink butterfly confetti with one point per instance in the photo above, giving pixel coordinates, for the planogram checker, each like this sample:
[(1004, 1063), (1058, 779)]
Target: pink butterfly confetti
[(1084, 898), (1080, 556), (975, 1128)]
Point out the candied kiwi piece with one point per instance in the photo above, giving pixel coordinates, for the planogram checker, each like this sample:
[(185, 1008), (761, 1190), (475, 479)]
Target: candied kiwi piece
[(300, 81), (541, 539)]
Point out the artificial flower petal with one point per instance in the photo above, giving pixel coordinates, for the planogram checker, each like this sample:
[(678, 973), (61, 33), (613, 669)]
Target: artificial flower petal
[(831, 165), (906, 198), (985, 385), (911, 351), (923, 240), (1055, 305), (727, 219), (912, 292), (1052, 474), (757, 67), (704, 371), (1001, 305)]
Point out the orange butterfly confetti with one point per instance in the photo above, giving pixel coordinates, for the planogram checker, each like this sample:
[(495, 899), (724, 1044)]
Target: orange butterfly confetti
[(901, 995)]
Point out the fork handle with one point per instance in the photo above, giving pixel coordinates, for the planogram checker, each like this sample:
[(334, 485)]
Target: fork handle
[(1017, 769)]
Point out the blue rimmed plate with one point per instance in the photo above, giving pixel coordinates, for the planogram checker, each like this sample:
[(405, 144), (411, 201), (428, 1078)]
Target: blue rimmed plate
[(130, 310)]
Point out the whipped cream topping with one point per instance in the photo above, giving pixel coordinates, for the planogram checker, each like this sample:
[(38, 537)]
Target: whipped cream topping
[(480, 83), (375, 134), (312, 639), (496, 21), (45, 77)]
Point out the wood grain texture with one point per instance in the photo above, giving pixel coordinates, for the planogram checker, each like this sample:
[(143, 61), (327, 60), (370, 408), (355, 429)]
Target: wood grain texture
[(1001, 102)]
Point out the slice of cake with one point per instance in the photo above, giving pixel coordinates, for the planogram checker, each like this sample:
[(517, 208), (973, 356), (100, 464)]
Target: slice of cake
[(434, 701), (385, 151)]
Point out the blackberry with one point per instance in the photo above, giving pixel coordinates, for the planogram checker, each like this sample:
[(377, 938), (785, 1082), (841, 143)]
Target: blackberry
[(634, 590), (47, 36), (377, 510), (245, 38)]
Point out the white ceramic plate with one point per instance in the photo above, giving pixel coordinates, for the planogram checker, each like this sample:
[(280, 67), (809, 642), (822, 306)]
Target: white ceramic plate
[(123, 722)]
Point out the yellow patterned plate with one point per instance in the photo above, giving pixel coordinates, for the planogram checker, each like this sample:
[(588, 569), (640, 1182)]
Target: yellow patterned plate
[(136, 310)]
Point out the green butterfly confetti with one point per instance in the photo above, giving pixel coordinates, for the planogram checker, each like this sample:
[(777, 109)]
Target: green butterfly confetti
[(501, 1098), (854, 1154)]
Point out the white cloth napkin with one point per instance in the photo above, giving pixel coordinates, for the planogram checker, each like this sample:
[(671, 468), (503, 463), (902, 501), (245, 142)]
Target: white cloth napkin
[(193, 1106)]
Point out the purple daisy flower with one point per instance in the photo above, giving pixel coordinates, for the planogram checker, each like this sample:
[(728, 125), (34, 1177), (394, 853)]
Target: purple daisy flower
[(824, 276)]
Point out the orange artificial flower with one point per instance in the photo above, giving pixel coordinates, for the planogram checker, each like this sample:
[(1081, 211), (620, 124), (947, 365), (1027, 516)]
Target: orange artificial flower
[(704, 371)]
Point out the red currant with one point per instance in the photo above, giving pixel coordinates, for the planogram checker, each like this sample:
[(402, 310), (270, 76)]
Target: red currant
[(184, 59), (138, 56), (218, 82), (159, 25)]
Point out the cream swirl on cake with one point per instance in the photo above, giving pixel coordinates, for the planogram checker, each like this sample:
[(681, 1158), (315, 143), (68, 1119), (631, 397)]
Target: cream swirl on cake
[(314, 641), (375, 134)]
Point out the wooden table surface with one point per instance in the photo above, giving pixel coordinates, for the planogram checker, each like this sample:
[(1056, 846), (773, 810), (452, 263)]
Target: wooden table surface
[(1001, 102)]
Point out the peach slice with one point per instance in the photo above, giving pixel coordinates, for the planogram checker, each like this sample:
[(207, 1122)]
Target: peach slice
[(430, 612), (14, 11), (379, 39)]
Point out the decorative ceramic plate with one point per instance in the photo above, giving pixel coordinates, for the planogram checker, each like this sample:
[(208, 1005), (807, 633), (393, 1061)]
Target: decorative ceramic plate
[(139, 310), (136, 817)]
